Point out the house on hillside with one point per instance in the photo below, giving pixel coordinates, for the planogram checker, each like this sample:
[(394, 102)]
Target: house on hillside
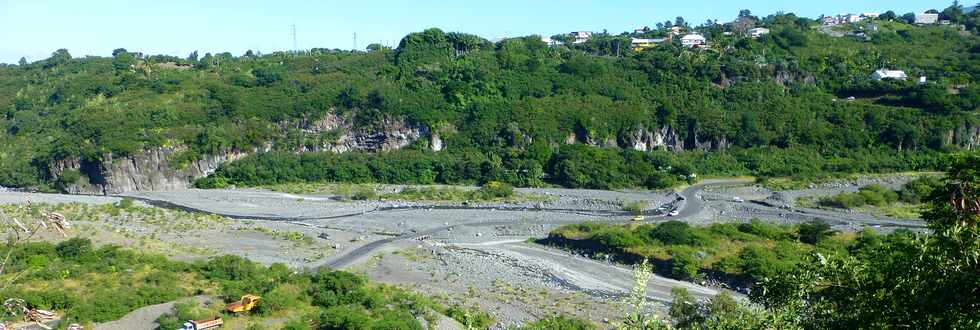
[(849, 18), (885, 74), (926, 19), (581, 36), (551, 42), (676, 30), (829, 20), (639, 44), (693, 40), (871, 15), (758, 32)]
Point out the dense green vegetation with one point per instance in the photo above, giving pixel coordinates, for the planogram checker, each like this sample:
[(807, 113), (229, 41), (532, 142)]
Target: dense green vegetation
[(777, 105), (735, 252), (90, 284), (898, 280), (914, 192)]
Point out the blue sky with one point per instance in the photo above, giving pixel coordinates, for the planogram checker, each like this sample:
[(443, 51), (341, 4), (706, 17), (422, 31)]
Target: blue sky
[(35, 28)]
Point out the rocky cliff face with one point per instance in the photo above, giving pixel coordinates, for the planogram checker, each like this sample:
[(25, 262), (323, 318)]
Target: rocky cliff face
[(150, 170), (390, 134), (644, 140), (967, 136)]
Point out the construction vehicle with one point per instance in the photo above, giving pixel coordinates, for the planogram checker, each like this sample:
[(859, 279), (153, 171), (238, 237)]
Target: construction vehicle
[(246, 304), (638, 218), (211, 323), (39, 317)]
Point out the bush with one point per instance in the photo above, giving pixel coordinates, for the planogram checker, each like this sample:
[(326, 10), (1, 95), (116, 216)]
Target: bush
[(918, 190), (870, 195), (560, 322), (675, 233), (814, 231), (470, 318), (74, 248), (125, 203), (766, 230), (281, 298), (344, 318), (635, 207), (332, 288), (494, 190), (685, 264)]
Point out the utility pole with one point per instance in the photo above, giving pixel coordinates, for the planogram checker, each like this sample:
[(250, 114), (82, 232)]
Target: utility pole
[(295, 47), (355, 41)]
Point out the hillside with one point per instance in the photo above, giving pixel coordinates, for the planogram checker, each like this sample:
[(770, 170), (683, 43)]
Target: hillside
[(456, 108)]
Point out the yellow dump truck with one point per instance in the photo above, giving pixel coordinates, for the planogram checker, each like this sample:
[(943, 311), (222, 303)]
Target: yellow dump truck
[(247, 303)]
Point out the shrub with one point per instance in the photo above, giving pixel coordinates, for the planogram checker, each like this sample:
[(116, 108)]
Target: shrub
[(560, 322), (635, 207), (74, 248), (495, 189), (762, 229), (918, 190), (125, 203), (344, 317), (674, 233), (364, 194), (685, 264), (281, 298), (470, 318), (332, 288), (870, 195), (814, 231)]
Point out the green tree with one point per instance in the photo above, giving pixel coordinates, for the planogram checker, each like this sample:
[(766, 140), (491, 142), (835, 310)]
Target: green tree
[(909, 281)]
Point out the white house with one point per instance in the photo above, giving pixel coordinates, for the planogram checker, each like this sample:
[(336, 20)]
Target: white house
[(758, 32), (884, 74), (926, 19), (849, 18), (551, 42), (693, 40), (676, 30), (581, 36), (641, 44), (871, 15), (829, 20)]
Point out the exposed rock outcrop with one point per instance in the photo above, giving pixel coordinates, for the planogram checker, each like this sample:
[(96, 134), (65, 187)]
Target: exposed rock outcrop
[(642, 139), (150, 170), (435, 142), (967, 136), (154, 170), (390, 134)]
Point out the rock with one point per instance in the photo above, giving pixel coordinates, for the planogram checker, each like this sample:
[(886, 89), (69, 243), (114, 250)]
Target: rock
[(149, 170)]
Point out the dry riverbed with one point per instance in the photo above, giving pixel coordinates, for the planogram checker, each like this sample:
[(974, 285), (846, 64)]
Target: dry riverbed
[(470, 254)]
